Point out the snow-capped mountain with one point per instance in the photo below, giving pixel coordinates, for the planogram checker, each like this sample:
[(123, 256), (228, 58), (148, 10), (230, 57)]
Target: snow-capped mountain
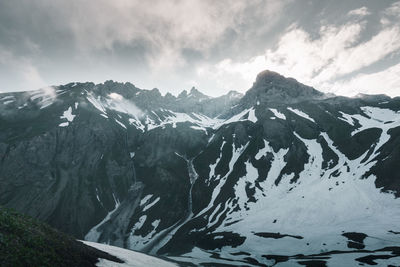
[(284, 174)]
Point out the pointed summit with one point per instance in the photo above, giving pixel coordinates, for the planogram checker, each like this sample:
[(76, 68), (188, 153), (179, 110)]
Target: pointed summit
[(183, 94), (197, 94), (193, 93)]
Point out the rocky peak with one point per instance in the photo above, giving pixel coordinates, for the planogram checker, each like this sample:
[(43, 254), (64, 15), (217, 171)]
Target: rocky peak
[(155, 92), (193, 93), (273, 87), (268, 75), (169, 96), (196, 93), (183, 94)]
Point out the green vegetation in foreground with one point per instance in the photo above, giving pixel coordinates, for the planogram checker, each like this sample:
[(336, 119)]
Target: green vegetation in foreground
[(26, 242)]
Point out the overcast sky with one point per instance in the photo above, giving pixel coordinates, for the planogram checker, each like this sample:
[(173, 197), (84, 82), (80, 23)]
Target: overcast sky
[(339, 46)]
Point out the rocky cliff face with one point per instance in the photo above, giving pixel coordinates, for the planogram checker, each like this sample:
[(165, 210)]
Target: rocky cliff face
[(280, 171)]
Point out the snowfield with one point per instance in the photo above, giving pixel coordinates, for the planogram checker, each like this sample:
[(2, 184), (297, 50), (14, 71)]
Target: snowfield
[(130, 258)]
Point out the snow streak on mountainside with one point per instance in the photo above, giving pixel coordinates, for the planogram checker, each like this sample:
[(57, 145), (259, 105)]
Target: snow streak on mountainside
[(240, 180)]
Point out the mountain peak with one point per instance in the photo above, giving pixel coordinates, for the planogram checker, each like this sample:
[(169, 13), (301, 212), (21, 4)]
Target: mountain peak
[(197, 94), (193, 93), (272, 87), (268, 75), (183, 94)]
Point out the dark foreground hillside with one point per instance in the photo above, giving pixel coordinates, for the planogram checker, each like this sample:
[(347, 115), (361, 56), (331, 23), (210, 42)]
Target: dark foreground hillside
[(27, 242)]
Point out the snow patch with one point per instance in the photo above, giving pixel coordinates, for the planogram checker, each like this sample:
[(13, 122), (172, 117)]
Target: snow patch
[(278, 114), (238, 117), (301, 114), (138, 241), (139, 224), (252, 116), (8, 97), (68, 115), (94, 233), (145, 199), (96, 102), (236, 153), (44, 97), (199, 128), (263, 152), (148, 206), (199, 121), (137, 123), (380, 118), (319, 206), (347, 118), (130, 258), (120, 123)]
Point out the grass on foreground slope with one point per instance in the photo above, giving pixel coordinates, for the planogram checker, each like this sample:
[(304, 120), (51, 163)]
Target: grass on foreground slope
[(27, 242)]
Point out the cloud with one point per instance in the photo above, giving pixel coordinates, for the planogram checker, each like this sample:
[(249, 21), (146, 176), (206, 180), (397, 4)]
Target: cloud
[(119, 103), (164, 28), (362, 12), (325, 61), (155, 41), (393, 10), (391, 15), (26, 74), (386, 81), (231, 75), (215, 45), (352, 59), (307, 59)]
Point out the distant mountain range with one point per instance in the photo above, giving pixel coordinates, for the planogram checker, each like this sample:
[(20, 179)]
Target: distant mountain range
[(283, 174)]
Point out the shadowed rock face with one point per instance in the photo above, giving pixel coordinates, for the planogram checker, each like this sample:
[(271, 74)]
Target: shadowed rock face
[(73, 176), (56, 175), (115, 164)]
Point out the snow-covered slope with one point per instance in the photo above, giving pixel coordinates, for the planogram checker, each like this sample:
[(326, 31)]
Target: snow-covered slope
[(130, 258)]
